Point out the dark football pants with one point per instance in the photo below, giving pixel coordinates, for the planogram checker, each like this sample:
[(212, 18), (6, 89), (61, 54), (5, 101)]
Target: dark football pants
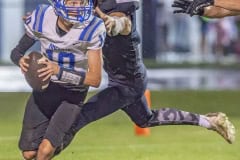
[(50, 114), (129, 98), (110, 100), (132, 101)]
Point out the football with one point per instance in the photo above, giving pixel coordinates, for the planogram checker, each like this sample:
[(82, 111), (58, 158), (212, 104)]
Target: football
[(31, 75)]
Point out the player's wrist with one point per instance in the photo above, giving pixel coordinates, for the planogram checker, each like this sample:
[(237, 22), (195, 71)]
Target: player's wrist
[(71, 76)]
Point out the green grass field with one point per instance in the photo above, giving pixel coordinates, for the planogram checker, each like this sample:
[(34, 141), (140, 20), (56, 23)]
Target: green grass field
[(113, 137)]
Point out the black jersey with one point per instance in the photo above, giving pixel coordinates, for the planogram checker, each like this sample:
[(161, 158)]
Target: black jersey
[(122, 59)]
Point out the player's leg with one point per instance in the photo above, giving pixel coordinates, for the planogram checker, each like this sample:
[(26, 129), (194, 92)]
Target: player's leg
[(61, 109), (40, 108), (144, 117), (34, 127), (116, 96), (60, 124), (102, 104), (48, 101), (140, 113)]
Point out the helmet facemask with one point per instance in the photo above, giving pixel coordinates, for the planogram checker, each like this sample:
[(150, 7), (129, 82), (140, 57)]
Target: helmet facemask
[(74, 11)]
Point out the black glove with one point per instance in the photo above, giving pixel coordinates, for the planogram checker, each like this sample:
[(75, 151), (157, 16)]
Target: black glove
[(197, 5), (182, 6)]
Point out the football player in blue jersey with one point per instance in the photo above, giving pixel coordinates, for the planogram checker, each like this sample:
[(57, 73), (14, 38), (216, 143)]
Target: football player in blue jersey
[(127, 79), (71, 39), (208, 8)]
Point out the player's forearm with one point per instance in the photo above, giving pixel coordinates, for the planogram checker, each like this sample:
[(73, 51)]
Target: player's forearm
[(88, 78), (228, 4), (217, 12), (93, 79), (94, 73), (18, 52)]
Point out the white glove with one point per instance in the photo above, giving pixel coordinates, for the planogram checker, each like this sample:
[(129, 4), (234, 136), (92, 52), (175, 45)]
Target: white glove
[(110, 23), (117, 25)]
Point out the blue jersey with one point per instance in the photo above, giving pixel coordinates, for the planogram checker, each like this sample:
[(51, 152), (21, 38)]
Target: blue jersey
[(69, 50), (122, 59)]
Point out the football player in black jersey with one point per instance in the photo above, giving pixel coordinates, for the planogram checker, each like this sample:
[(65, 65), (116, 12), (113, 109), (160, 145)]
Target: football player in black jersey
[(127, 79)]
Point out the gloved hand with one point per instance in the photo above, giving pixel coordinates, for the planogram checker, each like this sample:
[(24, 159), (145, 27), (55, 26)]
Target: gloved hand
[(196, 5), (117, 24), (182, 6), (110, 23)]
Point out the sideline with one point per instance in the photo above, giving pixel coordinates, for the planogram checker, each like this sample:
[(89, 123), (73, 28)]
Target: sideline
[(12, 80)]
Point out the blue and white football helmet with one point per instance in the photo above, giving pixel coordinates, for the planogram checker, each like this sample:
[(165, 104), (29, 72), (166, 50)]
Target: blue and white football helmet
[(79, 13)]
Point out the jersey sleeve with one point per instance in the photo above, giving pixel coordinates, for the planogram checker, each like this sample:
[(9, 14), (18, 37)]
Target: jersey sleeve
[(34, 22), (28, 24), (98, 38)]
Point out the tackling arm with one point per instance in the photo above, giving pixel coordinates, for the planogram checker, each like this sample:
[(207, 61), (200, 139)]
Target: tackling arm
[(192, 8), (228, 4), (218, 12), (116, 22), (123, 24)]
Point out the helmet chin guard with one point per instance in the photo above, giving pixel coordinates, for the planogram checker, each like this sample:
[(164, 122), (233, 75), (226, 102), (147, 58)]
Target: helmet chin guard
[(73, 14)]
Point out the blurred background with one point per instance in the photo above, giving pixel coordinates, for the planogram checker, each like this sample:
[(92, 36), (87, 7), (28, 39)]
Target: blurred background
[(193, 64), (185, 52)]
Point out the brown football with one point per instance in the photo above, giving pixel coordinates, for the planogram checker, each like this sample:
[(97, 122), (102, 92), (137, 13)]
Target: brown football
[(31, 75)]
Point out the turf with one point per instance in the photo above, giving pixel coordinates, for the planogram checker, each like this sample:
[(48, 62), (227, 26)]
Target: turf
[(113, 137)]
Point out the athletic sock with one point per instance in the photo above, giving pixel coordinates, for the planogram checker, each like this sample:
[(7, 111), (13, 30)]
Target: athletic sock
[(203, 122)]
